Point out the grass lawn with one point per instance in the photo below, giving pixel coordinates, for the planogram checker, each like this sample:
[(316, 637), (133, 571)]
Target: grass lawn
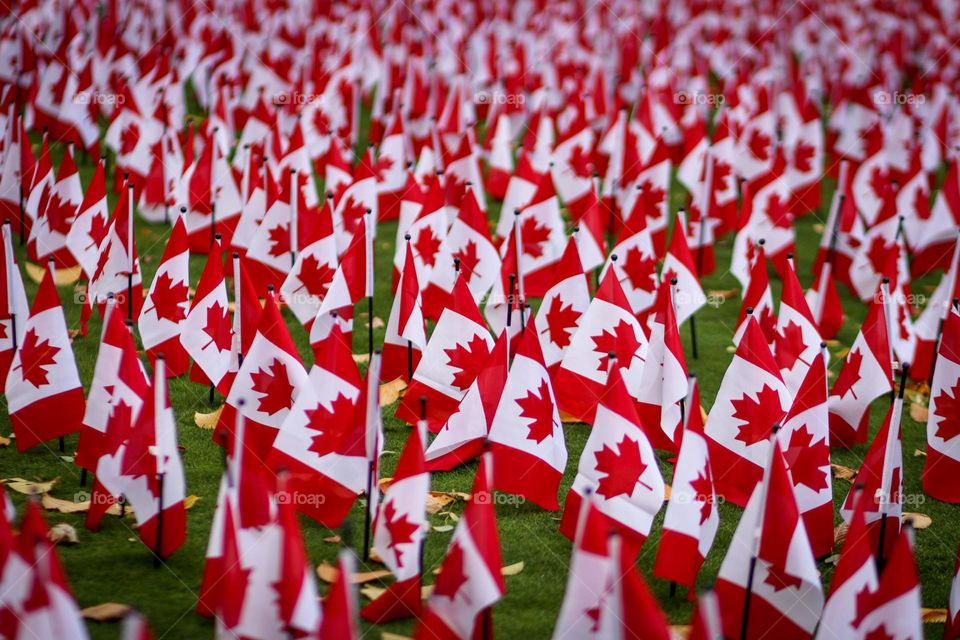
[(113, 566)]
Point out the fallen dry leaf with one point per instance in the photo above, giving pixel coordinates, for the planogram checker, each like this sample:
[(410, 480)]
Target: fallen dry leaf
[(832, 342), (28, 487), (567, 418), (667, 489), (4, 441), (443, 528), (832, 559), (208, 420), (919, 412), (333, 539), (512, 569), (933, 616), (437, 501), (371, 592), (328, 573), (918, 520), (919, 454), (189, 501), (844, 473), (61, 278), (840, 354), (361, 357), (50, 503), (731, 349), (386, 635), (106, 612), (391, 391), (378, 323), (840, 534), (722, 294), (679, 631), (62, 533)]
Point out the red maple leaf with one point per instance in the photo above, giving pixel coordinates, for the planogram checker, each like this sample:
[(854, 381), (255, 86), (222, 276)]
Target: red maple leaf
[(60, 213), (702, 487), (353, 210), (641, 270), (469, 358), (316, 276), (561, 321), (921, 204), (652, 195), (274, 385), (468, 260), (332, 425), (534, 235), (382, 164), (879, 182), (807, 459), (802, 156), (721, 172), (35, 358), (849, 374), (580, 162), (779, 212), (279, 240), (790, 345), (218, 327), (400, 528), (538, 408), (321, 122), (455, 189), (863, 604), (948, 412), (452, 575), (759, 145), (779, 578), (621, 341), (621, 468), (170, 298), (3, 329), (768, 324), (128, 138), (759, 415), (880, 633), (97, 231), (426, 246)]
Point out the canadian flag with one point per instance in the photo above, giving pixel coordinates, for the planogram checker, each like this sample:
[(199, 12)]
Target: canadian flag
[(267, 384), (90, 225), (118, 385), (692, 517), (254, 198), (894, 609), (823, 300), (270, 252), (457, 350), (590, 578), (358, 200), (805, 440), (34, 585), (629, 608), (572, 169), (13, 304), (398, 534), (952, 630), (688, 295), (526, 438), (464, 434), (608, 326), (426, 233), (118, 268), (297, 586), (405, 336), (499, 155), (634, 261), (470, 580), (619, 467), (562, 307), (43, 378), (353, 279), (213, 199), (339, 617), (854, 579), (663, 380), (391, 168), (758, 299), (540, 239), (866, 375), (770, 562), (797, 339), (751, 400), (207, 332), (48, 233), (165, 307), (132, 136), (934, 237), (462, 173), (309, 280), (943, 424), (705, 624), (927, 328)]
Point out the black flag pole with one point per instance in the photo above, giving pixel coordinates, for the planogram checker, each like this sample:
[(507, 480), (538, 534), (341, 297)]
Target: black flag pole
[(886, 492), (406, 237)]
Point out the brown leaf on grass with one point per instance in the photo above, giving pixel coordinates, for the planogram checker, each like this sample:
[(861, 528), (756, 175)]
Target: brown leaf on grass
[(832, 560), (28, 487), (189, 501), (933, 616), (61, 278), (106, 612), (333, 539), (442, 528), (679, 631), (722, 294), (62, 533), (50, 503), (667, 489), (512, 569), (840, 534), (4, 441), (919, 412), (917, 520), (360, 358), (208, 420), (391, 391), (844, 473), (917, 453), (378, 323), (328, 573), (436, 501)]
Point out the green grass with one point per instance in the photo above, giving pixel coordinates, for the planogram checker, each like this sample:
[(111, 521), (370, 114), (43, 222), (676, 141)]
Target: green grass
[(113, 566)]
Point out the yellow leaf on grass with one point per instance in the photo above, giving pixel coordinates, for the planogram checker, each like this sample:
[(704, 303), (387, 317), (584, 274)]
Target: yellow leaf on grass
[(666, 491), (208, 420), (918, 520), (840, 354), (189, 501), (328, 573), (62, 533), (28, 487), (933, 616), (4, 441), (919, 412), (436, 501), (512, 569), (386, 635), (378, 323), (442, 528), (61, 278), (722, 294), (106, 612), (50, 503), (679, 631), (371, 592), (917, 453), (844, 473), (361, 357), (567, 418), (391, 391)]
